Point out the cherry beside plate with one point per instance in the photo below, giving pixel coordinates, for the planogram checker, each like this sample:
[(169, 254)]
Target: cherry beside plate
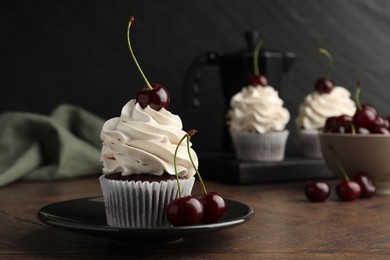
[(87, 216)]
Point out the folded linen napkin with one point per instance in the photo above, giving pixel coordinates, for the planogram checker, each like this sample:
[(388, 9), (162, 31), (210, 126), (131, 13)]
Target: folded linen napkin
[(65, 144)]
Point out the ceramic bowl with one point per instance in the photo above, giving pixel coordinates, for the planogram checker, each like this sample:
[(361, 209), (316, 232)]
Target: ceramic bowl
[(356, 153)]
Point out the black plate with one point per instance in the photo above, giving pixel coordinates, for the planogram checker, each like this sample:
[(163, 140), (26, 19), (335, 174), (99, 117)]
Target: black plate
[(87, 215)]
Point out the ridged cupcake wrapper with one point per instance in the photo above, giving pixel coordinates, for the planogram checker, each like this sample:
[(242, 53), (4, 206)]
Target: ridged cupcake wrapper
[(140, 204), (260, 147), (311, 147)]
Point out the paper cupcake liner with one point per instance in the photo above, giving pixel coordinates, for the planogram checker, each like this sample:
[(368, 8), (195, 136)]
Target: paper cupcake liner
[(260, 147), (311, 147), (140, 204)]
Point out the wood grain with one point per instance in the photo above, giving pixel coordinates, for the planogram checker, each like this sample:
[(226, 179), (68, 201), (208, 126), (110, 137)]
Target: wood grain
[(285, 226)]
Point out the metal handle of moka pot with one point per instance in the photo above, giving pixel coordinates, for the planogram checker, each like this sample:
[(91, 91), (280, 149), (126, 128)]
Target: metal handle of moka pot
[(193, 77)]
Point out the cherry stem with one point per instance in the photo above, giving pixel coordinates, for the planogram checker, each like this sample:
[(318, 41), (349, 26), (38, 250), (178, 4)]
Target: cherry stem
[(174, 164), (256, 57), (353, 129), (339, 165), (132, 54), (357, 95), (191, 133), (327, 54)]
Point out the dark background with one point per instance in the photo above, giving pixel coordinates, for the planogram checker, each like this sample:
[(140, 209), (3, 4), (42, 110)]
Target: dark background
[(55, 52)]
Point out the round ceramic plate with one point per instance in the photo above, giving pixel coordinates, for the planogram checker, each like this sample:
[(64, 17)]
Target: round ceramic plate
[(87, 215)]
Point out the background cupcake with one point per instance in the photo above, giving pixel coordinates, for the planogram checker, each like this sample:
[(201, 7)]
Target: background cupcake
[(328, 100), (257, 123), (313, 113)]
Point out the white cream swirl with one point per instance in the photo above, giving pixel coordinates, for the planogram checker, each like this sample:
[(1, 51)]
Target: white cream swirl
[(317, 107), (144, 141), (257, 109)]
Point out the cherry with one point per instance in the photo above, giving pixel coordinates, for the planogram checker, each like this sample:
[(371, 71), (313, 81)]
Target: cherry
[(382, 122), (213, 203), (362, 130), (366, 184), (348, 190), (317, 191), (179, 210), (365, 115), (257, 79), (154, 95), (185, 211), (340, 124), (325, 84), (214, 206), (380, 130), (156, 98), (330, 123)]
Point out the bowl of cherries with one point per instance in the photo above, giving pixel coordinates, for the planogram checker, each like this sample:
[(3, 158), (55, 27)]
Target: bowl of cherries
[(352, 145)]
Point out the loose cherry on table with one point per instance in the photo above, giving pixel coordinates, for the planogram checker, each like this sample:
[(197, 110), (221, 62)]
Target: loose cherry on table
[(325, 84), (367, 186), (257, 79), (154, 95), (348, 190), (317, 191)]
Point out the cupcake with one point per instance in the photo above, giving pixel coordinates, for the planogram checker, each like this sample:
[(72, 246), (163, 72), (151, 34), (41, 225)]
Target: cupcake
[(140, 173), (257, 124), (138, 180), (314, 111), (328, 100)]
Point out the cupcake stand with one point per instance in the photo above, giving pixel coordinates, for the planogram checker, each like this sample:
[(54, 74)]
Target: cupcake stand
[(224, 167)]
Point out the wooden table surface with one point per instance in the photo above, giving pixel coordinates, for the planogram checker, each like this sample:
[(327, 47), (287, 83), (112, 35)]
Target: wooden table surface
[(285, 226)]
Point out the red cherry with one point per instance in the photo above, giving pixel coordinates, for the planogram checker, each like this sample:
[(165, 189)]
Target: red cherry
[(362, 130), (258, 80), (317, 191), (154, 95), (324, 85), (214, 206), (348, 190), (382, 122), (379, 130), (185, 211), (341, 124), (366, 184), (330, 123), (156, 98), (365, 116)]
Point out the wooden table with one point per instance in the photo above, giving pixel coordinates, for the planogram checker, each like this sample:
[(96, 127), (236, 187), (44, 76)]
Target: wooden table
[(285, 226)]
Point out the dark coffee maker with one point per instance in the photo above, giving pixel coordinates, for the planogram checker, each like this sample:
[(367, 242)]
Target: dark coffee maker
[(235, 70)]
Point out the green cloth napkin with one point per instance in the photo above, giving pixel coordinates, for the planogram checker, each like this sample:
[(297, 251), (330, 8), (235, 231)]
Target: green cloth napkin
[(65, 144)]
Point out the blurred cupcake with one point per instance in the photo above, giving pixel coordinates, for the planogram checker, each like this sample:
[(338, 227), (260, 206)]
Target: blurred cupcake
[(257, 124), (314, 111), (327, 100)]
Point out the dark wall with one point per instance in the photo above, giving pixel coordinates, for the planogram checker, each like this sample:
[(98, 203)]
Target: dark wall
[(55, 52)]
